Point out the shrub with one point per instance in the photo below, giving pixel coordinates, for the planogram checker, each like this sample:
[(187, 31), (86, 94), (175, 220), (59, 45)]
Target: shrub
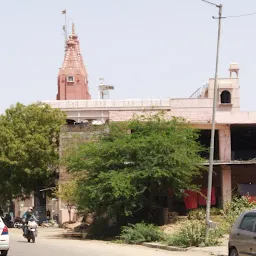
[(232, 211), (140, 233), (193, 234), (200, 214), (216, 211), (101, 229)]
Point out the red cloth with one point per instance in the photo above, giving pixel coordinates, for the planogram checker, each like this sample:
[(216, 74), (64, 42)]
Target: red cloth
[(190, 199), (251, 198), (203, 195)]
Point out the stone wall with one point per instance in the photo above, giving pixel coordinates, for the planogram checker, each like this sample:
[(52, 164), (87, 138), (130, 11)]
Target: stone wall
[(71, 136)]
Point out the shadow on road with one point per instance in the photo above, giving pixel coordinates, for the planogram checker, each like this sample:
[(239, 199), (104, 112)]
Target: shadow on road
[(60, 237)]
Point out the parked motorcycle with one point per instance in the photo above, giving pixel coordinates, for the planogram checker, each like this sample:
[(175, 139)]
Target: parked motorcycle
[(30, 231)]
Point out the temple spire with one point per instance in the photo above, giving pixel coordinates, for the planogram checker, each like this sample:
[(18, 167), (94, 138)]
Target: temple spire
[(73, 78), (73, 29)]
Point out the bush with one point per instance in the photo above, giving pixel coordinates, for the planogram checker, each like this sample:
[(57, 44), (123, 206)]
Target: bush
[(200, 214), (232, 211), (101, 229), (140, 233), (193, 234)]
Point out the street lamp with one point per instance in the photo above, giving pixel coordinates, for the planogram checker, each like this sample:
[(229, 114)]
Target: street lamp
[(209, 189)]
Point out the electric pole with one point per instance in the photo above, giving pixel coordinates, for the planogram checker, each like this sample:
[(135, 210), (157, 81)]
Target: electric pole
[(215, 97)]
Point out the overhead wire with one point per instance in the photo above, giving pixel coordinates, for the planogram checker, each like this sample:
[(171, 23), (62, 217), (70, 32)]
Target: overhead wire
[(230, 16), (241, 15)]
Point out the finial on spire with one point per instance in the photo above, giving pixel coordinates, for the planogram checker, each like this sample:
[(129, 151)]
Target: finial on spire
[(73, 29)]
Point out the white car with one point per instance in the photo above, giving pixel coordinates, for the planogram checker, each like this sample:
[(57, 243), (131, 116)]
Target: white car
[(4, 238)]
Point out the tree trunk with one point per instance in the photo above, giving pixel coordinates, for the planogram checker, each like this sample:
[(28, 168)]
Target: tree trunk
[(69, 215)]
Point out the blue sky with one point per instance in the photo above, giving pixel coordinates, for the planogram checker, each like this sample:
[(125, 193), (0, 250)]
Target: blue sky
[(145, 48)]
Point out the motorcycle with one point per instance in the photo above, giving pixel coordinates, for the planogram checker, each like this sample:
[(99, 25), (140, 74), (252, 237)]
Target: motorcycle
[(31, 230)]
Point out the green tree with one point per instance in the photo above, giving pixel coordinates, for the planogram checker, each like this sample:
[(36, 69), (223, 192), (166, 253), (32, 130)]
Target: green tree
[(67, 193), (124, 172), (29, 141)]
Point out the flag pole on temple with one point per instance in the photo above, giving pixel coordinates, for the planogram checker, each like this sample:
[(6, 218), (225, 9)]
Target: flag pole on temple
[(65, 27)]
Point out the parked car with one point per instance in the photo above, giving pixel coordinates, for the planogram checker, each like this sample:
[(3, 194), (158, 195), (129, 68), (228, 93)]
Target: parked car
[(4, 238), (242, 238)]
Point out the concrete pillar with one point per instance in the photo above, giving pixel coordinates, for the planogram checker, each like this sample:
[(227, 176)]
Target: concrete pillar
[(226, 187), (225, 156), (225, 143)]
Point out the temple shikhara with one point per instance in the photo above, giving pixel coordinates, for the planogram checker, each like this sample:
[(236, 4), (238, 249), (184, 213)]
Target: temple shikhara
[(72, 77)]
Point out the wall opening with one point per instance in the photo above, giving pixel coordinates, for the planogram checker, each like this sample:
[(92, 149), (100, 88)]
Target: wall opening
[(243, 142), (225, 97), (70, 79), (70, 122), (205, 140)]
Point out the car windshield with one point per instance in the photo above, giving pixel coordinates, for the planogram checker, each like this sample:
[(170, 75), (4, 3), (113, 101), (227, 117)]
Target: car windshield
[(248, 222)]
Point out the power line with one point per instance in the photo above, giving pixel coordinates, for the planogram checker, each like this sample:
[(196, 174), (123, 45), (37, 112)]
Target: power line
[(230, 16), (241, 15)]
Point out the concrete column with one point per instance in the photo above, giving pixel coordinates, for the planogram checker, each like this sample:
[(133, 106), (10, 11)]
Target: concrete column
[(225, 143), (225, 156), (226, 188)]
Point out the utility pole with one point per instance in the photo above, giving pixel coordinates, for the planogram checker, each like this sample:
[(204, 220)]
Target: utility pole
[(215, 97)]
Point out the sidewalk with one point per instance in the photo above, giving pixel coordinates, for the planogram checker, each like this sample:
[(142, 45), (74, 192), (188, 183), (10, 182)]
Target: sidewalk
[(216, 250), (221, 250)]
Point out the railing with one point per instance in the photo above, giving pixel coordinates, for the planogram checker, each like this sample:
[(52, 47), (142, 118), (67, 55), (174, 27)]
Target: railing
[(130, 104), (65, 104), (84, 128), (196, 94)]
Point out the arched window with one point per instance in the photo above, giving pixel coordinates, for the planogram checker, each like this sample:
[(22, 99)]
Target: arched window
[(225, 97)]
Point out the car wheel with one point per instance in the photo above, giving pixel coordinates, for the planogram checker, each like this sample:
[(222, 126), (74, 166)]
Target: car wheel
[(4, 253), (233, 252)]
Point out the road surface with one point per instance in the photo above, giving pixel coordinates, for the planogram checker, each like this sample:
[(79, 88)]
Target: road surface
[(51, 246)]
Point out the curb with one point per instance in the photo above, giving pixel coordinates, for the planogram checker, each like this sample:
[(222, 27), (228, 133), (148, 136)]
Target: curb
[(179, 249), (164, 247)]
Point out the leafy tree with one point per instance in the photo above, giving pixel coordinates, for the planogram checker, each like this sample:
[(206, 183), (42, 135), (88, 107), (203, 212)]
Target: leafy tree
[(29, 141), (67, 193), (124, 172)]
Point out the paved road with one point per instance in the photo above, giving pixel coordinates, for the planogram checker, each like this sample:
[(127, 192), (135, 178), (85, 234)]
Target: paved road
[(50, 246)]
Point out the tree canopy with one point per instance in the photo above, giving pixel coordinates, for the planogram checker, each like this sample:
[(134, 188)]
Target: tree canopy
[(126, 169), (29, 140)]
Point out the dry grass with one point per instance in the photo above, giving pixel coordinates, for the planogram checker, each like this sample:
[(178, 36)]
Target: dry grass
[(174, 227)]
